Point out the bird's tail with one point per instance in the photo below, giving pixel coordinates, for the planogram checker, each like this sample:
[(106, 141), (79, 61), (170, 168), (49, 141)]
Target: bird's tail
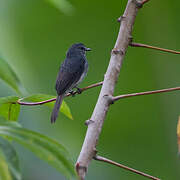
[(57, 106)]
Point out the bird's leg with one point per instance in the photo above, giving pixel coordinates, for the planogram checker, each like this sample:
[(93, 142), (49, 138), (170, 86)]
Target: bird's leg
[(72, 93), (79, 91)]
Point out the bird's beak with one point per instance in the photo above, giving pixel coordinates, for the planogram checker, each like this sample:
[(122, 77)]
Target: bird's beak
[(88, 49)]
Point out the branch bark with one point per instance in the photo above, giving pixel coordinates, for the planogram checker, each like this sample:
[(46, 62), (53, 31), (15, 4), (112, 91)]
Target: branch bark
[(88, 150)]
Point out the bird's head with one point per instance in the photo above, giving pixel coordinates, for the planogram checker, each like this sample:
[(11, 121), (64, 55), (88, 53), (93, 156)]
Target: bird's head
[(78, 48)]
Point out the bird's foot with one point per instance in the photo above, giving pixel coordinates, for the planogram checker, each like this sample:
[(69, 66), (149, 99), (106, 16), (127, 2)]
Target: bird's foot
[(72, 93), (79, 91)]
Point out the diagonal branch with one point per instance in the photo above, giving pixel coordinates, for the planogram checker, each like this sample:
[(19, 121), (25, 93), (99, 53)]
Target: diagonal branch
[(113, 99), (133, 44), (99, 114), (100, 158), (53, 99)]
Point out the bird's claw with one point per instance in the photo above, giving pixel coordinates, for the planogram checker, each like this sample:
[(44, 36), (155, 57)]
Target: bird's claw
[(72, 93), (79, 91)]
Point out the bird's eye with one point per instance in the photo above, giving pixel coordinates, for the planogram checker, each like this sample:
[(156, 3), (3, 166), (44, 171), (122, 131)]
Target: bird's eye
[(82, 48)]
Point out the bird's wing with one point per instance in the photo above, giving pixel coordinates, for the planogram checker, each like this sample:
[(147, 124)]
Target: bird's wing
[(69, 74)]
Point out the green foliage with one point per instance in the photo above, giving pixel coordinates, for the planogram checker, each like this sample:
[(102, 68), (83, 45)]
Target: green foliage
[(62, 5), (45, 148), (9, 76), (4, 170), (42, 97), (9, 109), (139, 131), (11, 158), (8, 99)]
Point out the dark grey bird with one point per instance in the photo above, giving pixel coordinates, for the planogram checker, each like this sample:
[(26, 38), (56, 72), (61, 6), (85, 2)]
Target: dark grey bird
[(72, 71)]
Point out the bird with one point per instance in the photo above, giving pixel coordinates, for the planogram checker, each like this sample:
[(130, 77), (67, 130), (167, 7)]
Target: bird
[(72, 72)]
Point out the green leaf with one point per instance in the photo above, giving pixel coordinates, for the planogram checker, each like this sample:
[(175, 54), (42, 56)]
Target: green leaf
[(45, 148), (4, 170), (62, 5), (42, 97), (9, 123), (8, 99), (9, 109), (11, 158), (8, 76)]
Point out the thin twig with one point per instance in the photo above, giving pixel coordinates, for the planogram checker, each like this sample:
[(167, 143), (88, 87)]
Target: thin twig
[(133, 44), (144, 93), (20, 101), (87, 87), (144, 1), (100, 158)]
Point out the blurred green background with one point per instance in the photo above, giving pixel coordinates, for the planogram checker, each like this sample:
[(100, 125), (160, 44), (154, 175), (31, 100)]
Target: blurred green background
[(139, 132)]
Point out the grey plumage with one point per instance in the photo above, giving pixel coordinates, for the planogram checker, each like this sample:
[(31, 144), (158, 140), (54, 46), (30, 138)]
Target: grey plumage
[(56, 108), (71, 73)]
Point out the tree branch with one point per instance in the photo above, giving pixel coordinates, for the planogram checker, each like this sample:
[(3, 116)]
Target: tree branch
[(100, 158), (110, 79), (133, 44), (19, 101), (113, 99), (144, 1), (89, 87)]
